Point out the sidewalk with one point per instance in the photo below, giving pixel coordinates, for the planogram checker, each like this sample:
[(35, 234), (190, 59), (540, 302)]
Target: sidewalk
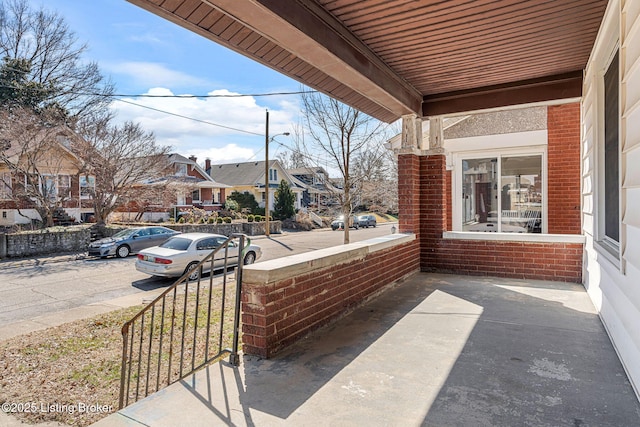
[(437, 350)]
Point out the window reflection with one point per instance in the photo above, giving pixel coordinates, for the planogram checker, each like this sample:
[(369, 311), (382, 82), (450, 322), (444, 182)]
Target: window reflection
[(502, 194)]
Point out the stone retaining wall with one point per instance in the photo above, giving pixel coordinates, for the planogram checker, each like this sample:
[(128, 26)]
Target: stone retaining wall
[(43, 242)]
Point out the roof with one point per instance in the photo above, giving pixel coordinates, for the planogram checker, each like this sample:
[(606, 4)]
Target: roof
[(207, 181), (390, 58), (246, 173)]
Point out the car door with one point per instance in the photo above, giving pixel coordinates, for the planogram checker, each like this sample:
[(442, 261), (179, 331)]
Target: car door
[(158, 236), (141, 240)]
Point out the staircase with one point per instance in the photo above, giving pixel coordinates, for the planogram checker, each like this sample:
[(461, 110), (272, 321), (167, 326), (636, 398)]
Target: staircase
[(61, 217)]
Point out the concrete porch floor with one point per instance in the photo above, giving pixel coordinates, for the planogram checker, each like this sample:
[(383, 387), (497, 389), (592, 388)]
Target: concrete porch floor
[(436, 350)]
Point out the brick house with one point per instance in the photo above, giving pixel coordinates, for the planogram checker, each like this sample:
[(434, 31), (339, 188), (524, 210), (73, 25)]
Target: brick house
[(186, 186), (427, 61), (55, 175)]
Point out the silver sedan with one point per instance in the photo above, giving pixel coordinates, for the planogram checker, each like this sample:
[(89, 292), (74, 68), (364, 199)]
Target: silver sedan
[(183, 252)]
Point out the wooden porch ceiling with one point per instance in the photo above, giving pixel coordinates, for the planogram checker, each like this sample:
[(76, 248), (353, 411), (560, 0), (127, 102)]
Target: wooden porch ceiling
[(394, 57)]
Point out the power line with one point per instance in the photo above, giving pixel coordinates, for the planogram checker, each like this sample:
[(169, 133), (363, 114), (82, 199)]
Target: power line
[(191, 118)]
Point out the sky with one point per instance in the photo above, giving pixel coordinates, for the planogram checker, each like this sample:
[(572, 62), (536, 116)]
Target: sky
[(145, 54)]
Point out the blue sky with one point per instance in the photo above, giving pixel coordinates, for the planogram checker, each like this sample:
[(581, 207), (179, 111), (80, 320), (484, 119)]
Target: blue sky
[(143, 53)]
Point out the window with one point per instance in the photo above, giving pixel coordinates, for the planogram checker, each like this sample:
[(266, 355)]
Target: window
[(87, 186), (273, 175), (64, 186), (195, 195), (49, 187), (181, 169), (502, 194), (609, 210), (5, 185)]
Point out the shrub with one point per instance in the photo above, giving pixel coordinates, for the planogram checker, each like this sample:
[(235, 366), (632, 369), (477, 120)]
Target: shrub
[(227, 220), (211, 220), (218, 220), (250, 218), (181, 220)]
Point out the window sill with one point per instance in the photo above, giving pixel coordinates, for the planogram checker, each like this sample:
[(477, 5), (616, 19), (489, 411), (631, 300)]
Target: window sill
[(515, 237)]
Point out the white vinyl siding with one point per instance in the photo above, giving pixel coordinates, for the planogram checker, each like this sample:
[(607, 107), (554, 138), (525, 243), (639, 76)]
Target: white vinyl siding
[(613, 280)]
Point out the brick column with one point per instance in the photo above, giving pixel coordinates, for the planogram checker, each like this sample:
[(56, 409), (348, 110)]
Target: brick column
[(433, 209), (563, 131), (409, 193)]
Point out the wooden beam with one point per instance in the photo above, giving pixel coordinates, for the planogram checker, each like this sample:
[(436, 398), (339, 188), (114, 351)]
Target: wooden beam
[(552, 88)]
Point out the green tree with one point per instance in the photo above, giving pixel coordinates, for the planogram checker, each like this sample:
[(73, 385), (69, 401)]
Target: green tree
[(244, 200), (284, 207)]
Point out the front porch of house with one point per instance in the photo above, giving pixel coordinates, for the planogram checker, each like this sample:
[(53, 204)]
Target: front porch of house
[(434, 349)]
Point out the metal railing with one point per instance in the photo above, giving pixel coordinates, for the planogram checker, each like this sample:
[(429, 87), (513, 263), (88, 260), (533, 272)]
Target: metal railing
[(185, 328)]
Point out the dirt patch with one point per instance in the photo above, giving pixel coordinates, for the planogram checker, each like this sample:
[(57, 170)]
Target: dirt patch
[(71, 373)]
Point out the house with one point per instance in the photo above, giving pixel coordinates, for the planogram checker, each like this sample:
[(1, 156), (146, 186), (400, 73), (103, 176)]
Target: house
[(249, 177), (427, 61), (187, 186), (39, 177), (318, 189)]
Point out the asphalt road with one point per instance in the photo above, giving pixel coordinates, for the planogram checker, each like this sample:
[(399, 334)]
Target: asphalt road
[(29, 291)]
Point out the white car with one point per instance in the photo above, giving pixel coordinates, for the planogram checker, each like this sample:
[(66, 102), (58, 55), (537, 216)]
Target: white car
[(183, 252)]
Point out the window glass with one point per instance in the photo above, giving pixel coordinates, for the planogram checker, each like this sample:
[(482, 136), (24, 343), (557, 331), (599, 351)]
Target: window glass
[(502, 194), (480, 194), (611, 149), (5, 185), (87, 185), (195, 195), (521, 195)]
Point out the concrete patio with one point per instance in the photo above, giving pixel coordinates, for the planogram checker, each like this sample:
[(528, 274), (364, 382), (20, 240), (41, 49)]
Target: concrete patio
[(435, 350)]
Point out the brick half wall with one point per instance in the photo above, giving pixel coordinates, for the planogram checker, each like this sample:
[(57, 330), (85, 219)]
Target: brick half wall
[(285, 299)]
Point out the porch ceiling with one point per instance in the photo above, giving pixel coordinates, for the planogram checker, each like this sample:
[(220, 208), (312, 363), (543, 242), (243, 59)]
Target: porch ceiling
[(394, 57)]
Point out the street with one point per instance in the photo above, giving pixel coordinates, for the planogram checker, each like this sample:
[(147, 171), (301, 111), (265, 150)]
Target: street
[(32, 291)]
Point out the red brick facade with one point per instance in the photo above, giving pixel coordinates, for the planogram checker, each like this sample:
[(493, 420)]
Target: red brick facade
[(277, 314)]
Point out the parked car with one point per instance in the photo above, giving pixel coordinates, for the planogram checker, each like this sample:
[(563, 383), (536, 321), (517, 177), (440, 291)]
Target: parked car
[(182, 253), (130, 241), (338, 223), (367, 221)]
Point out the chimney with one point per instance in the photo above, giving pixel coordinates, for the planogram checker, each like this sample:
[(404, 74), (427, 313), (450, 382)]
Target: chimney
[(194, 158), (207, 165)]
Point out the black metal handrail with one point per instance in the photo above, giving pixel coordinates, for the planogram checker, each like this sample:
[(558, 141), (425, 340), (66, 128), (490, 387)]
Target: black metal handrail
[(184, 319)]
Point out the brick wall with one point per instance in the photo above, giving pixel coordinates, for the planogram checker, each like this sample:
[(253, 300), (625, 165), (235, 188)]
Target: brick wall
[(276, 313), (521, 260), (563, 131), (559, 261)]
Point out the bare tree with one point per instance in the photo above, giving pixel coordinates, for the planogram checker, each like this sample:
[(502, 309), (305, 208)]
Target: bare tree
[(120, 158), (39, 166), (342, 133), (43, 39), (378, 171)]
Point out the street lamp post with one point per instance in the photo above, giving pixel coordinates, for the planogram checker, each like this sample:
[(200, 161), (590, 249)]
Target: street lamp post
[(267, 230)]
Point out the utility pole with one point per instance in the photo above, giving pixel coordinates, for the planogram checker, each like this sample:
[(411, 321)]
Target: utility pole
[(267, 231), (267, 140)]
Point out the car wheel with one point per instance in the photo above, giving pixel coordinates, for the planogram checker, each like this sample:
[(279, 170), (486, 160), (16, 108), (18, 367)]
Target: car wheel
[(123, 251), (249, 258), (194, 273)]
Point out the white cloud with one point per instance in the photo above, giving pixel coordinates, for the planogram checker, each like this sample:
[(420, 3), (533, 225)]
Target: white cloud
[(225, 129), (151, 74)]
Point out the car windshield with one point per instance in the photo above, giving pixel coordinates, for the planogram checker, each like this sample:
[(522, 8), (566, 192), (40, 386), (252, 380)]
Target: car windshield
[(177, 243), (124, 233)]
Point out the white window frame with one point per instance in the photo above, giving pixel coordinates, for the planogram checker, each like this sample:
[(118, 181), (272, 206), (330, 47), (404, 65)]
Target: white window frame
[(609, 248), (273, 175), (181, 169), (456, 181)]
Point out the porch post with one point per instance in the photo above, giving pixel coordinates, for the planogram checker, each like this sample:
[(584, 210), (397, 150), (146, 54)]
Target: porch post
[(409, 175)]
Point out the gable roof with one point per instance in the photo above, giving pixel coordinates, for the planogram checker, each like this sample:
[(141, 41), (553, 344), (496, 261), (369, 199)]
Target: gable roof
[(246, 173), (389, 58), (208, 181)]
